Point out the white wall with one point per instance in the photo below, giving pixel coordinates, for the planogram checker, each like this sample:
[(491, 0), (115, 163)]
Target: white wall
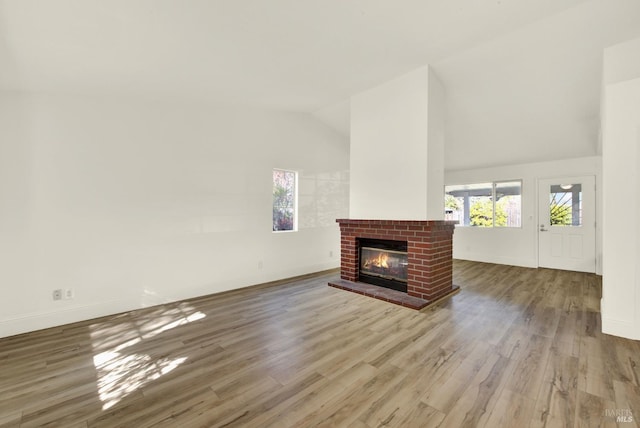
[(518, 246), (621, 62), (621, 160), (435, 147), (134, 202), (393, 165)]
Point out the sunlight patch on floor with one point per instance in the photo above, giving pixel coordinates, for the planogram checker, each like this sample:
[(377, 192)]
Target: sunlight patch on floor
[(123, 368), (120, 375)]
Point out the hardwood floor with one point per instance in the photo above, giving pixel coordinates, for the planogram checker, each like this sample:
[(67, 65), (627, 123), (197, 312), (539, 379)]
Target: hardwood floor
[(516, 347)]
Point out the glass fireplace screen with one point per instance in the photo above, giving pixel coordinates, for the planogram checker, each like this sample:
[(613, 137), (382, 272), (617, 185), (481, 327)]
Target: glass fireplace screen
[(388, 264)]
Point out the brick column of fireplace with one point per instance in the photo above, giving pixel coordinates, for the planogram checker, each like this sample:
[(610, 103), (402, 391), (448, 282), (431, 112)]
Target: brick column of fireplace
[(429, 251)]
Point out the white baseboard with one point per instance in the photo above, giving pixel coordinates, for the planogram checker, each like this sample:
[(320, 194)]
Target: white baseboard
[(29, 322), (37, 321), (487, 258), (620, 328), (616, 327)]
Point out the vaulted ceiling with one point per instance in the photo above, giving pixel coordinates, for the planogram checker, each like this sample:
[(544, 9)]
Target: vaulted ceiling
[(522, 76)]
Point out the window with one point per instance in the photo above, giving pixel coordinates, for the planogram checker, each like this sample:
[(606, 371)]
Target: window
[(285, 200), (565, 205), (497, 204)]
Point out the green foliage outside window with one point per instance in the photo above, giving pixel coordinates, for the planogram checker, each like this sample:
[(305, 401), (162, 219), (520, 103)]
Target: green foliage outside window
[(490, 204), (451, 202), (284, 194), (481, 213), (561, 213)]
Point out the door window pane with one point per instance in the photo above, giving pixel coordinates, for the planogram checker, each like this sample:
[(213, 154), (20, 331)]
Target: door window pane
[(565, 205)]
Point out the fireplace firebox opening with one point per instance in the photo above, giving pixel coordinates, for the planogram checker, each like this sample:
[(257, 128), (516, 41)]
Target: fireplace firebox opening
[(383, 263)]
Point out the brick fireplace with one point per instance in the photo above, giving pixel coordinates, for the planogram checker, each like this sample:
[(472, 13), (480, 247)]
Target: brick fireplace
[(429, 254)]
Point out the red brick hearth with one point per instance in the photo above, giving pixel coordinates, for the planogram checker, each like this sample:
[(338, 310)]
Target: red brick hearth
[(429, 251)]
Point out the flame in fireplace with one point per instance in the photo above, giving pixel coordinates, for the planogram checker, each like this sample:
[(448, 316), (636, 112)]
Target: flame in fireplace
[(380, 261)]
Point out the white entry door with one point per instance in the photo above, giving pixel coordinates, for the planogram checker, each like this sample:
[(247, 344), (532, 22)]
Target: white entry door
[(567, 223)]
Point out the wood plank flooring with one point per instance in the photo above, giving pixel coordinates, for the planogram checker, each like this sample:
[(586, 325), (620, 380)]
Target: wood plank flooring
[(516, 347)]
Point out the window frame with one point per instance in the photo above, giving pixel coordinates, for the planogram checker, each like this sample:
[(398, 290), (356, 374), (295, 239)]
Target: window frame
[(494, 184), (295, 200)]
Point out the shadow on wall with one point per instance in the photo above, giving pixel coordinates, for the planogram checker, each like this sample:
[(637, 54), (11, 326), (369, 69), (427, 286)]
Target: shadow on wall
[(323, 198)]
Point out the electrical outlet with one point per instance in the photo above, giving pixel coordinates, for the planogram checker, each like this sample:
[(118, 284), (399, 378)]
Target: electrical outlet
[(57, 294), (330, 253), (68, 294), (260, 264)]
